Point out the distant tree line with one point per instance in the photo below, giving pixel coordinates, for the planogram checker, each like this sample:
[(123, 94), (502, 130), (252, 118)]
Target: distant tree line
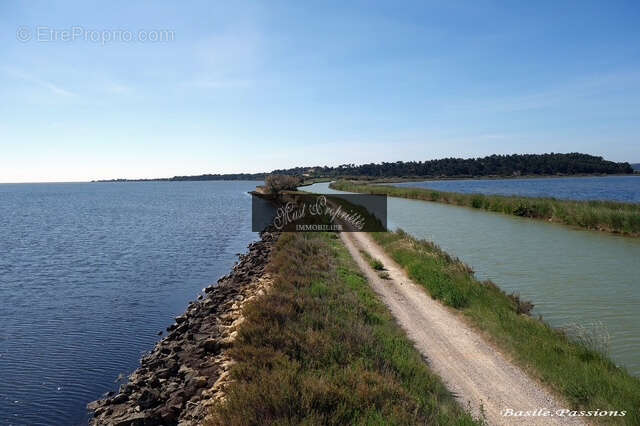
[(494, 165), (230, 176)]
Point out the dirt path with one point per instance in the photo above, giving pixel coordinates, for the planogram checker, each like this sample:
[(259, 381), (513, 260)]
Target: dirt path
[(480, 376)]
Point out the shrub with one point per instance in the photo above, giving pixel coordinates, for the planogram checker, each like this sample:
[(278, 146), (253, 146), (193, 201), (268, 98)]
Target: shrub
[(521, 306), (278, 183)]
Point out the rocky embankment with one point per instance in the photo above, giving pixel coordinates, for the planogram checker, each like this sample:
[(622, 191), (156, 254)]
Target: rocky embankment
[(184, 373)]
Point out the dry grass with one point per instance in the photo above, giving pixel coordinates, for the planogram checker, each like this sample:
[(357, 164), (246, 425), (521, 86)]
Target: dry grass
[(320, 348)]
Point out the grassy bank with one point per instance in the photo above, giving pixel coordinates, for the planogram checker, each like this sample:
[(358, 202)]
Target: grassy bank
[(609, 216), (580, 371), (320, 348)]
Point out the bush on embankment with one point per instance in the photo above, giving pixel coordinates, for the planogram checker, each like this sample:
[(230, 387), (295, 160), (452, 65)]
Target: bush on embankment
[(585, 377), (320, 348), (609, 216)]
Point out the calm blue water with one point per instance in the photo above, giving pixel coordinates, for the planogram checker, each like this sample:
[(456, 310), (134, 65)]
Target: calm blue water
[(613, 188), (89, 273)]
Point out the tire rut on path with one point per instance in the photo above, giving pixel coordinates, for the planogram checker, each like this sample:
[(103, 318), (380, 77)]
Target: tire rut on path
[(480, 377)]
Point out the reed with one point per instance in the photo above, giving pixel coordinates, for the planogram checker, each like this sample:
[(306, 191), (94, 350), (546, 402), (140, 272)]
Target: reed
[(608, 216)]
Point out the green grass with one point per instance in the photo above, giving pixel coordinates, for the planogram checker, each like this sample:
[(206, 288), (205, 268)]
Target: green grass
[(584, 376), (376, 264), (320, 348), (609, 216)]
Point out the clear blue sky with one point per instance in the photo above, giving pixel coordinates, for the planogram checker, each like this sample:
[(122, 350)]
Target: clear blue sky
[(253, 86)]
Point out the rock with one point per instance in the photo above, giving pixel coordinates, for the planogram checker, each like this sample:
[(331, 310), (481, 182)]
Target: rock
[(172, 385), (163, 374), (134, 419), (153, 381), (149, 398), (198, 382), (120, 398), (172, 366), (211, 346), (170, 414), (226, 342), (186, 371)]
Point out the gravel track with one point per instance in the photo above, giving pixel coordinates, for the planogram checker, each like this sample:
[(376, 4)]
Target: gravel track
[(478, 375)]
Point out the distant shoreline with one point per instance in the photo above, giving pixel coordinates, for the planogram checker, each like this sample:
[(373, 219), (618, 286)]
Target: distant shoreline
[(195, 179), (309, 181), (372, 179)]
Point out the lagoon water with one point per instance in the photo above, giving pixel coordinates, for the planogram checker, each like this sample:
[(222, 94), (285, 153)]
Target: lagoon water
[(572, 276), (91, 272), (611, 188)]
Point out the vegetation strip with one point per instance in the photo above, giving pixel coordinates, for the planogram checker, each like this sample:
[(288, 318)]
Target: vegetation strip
[(320, 348), (515, 165), (579, 371), (609, 216)]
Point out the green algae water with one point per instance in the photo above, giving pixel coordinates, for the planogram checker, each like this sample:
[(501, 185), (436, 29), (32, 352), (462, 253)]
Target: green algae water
[(574, 277)]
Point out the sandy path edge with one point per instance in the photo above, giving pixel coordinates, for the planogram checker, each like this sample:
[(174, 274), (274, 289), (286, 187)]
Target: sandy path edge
[(480, 377)]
